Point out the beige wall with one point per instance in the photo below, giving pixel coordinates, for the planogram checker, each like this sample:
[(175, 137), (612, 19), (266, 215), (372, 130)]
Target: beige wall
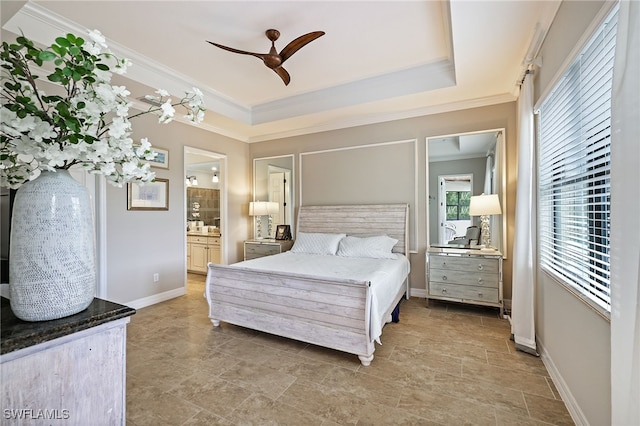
[(575, 340), (141, 243), (419, 129)]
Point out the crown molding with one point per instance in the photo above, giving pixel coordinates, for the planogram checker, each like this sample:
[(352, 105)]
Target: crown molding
[(409, 81), (45, 26), (386, 117)]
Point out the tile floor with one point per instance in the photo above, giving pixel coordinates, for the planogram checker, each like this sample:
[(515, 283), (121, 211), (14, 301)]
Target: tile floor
[(445, 364)]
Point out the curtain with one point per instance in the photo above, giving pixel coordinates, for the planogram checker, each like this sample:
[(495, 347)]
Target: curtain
[(625, 219), (488, 176), (523, 290)]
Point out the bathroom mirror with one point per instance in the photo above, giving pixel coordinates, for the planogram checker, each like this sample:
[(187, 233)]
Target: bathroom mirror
[(459, 166), (273, 182)]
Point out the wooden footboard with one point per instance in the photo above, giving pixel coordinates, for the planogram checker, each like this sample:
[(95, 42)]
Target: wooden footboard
[(320, 311)]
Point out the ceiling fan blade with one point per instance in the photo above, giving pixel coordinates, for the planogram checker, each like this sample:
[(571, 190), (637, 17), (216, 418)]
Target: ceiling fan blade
[(242, 52), (296, 44), (284, 75)]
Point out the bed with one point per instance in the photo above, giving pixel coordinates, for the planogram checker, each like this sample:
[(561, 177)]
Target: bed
[(288, 296)]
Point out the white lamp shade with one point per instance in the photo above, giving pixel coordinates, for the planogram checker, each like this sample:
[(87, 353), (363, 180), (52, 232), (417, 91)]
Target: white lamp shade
[(484, 205), (258, 208), (272, 207), (262, 208)]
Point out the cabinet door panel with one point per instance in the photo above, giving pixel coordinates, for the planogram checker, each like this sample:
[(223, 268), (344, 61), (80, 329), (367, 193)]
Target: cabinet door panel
[(199, 257)]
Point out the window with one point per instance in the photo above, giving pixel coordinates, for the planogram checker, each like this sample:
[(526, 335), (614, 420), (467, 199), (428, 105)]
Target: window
[(574, 170), (458, 205)]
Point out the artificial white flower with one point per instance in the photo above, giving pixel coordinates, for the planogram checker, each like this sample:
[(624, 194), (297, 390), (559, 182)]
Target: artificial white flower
[(87, 123), (167, 112)]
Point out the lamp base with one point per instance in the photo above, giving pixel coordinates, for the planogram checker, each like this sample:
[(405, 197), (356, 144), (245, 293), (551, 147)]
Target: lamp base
[(484, 231)]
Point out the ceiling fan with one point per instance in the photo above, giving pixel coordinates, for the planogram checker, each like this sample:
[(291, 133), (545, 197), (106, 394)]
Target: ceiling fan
[(273, 59)]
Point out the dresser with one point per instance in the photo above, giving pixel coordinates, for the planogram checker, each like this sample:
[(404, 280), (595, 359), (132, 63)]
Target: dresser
[(266, 247), (466, 276)]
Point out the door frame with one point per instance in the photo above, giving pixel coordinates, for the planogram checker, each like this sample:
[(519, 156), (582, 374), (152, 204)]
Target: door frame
[(224, 222)]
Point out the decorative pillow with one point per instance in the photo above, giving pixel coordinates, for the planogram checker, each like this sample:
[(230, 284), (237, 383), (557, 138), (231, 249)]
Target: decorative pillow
[(378, 247), (316, 243)]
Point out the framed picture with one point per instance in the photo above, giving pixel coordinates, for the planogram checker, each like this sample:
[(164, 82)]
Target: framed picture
[(150, 196), (283, 232), (161, 160)]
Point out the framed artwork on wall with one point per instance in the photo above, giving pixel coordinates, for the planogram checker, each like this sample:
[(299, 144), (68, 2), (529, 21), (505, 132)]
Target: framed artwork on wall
[(161, 160), (148, 196)]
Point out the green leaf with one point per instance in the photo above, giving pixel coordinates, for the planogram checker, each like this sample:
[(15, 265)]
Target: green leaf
[(45, 55), (75, 50), (56, 78), (79, 41), (72, 125), (102, 67), (63, 42)]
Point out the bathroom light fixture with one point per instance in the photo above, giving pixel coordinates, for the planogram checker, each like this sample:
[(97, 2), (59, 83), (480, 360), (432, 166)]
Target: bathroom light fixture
[(191, 181), (215, 178)]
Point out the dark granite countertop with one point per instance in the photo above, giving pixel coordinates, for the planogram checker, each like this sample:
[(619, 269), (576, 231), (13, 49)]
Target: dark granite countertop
[(18, 334)]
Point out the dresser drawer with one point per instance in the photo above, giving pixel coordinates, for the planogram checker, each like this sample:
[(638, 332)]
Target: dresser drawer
[(215, 241), (464, 263), (481, 294), (481, 279), (196, 239), (261, 249)]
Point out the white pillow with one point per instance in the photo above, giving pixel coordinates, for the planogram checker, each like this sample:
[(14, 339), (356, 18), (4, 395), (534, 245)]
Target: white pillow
[(316, 243), (378, 247)]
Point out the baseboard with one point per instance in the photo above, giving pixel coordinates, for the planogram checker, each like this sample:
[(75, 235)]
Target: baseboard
[(419, 292), (572, 405), (156, 298)]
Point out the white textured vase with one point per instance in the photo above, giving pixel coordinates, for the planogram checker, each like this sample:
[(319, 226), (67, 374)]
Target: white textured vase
[(52, 256)]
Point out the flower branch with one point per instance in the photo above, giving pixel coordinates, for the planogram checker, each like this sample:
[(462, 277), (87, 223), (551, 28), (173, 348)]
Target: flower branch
[(85, 121)]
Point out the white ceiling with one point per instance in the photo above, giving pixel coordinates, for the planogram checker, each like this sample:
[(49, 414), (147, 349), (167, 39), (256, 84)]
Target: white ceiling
[(378, 61)]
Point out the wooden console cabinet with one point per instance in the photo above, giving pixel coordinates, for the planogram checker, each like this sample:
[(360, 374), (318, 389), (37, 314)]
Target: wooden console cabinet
[(68, 371)]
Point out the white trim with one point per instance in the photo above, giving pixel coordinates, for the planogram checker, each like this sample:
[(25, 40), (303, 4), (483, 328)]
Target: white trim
[(563, 389), (156, 298), (586, 36), (414, 219), (386, 117), (224, 211), (418, 292), (502, 183), (101, 236)]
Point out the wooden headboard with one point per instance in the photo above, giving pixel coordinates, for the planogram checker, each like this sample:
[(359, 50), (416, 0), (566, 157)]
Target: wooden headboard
[(359, 221)]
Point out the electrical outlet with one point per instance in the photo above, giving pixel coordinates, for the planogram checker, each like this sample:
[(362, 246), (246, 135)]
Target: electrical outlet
[(156, 277)]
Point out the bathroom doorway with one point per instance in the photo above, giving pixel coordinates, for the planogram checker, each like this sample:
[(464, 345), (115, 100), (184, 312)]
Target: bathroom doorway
[(205, 209)]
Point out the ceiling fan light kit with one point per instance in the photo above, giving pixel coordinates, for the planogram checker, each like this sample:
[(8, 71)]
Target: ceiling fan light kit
[(273, 59)]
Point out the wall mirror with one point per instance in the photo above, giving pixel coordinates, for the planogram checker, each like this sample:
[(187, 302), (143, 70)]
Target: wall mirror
[(460, 166), (273, 182)]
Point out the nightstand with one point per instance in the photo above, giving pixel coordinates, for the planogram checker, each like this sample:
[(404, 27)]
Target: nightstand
[(265, 247), (466, 276)]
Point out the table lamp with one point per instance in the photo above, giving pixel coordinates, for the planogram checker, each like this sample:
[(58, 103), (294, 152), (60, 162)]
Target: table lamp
[(484, 206)]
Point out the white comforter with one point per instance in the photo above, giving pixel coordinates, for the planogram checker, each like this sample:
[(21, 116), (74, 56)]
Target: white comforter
[(385, 275)]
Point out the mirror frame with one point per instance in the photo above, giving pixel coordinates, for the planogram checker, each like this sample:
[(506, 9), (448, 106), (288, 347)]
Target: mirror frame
[(501, 172), (291, 188)]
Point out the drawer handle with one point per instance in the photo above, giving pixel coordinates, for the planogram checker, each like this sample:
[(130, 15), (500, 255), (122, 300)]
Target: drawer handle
[(444, 278), (480, 280), (444, 290), (480, 267), (480, 294)]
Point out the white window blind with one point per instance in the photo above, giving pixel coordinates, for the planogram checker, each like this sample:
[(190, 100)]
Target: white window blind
[(574, 170)]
